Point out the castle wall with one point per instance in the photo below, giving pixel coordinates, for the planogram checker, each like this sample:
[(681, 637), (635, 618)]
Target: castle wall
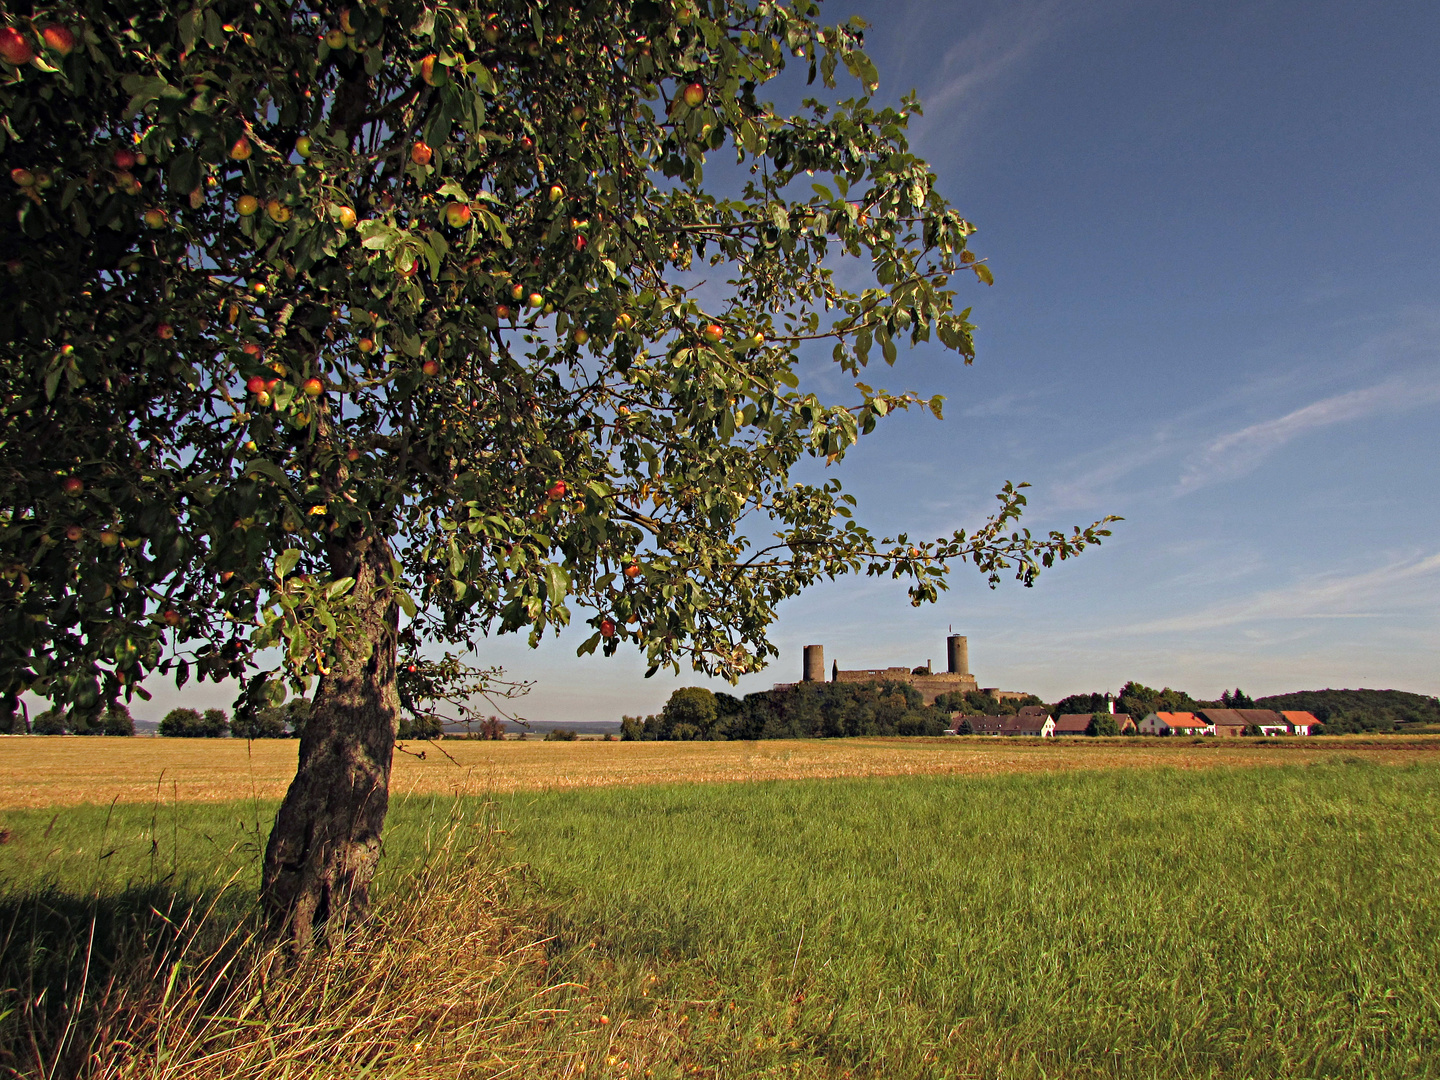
[(930, 686)]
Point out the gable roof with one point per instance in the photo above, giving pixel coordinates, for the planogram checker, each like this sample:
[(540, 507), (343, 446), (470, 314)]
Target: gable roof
[(1299, 719), (1180, 719), (1022, 723), (1072, 723), (1243, 717)]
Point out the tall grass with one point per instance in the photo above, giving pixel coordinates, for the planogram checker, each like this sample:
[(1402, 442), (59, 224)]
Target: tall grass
[(129, 948), (1264, 922)]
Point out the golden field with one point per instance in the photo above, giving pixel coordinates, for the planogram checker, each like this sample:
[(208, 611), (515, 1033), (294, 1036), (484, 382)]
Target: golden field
[(67, 770)]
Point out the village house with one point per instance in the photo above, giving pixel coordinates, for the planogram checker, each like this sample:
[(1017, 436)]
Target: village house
[(1301, 723), (1079, 723), (1175, 723), (1235, 722)]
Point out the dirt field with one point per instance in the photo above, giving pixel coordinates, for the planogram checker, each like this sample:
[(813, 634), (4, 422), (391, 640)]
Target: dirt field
[(58, 771)]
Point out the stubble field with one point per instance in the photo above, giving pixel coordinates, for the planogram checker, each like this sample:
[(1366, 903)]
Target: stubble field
[(71, 770)]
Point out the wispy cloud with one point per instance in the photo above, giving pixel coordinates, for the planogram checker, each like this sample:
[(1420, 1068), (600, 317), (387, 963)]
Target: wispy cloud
[(1240, 452), (1401, 583)]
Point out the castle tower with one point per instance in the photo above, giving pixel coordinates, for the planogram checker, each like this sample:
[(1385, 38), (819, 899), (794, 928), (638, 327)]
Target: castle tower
[(957, 649), (814, 663)]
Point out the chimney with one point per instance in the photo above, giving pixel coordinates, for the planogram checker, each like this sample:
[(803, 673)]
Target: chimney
[(957, 649), (814, 670)]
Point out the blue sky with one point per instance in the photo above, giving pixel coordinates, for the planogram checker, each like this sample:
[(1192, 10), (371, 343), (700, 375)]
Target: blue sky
[(1214, 230)]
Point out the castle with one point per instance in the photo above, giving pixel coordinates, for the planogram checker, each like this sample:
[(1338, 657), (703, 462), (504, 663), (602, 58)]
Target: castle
[(956, 679)]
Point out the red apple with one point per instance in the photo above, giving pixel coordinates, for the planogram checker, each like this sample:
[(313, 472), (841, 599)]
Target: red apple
[(73, 533), (225, 576), (109, 537), (72, 485), (171, 617), (526, 142), (155, 218), (503, 312), (607, 627), (632, 571), (457, 214), (556, 193), (428, 72), (313, 387), (366, 345), (352, 454), (124, 159), (346, 217), (518, 292), (580, 242), (557, 490), (411, 668), (421, 154), (535, 299), (240, 150), (430, 368), (255, 384), (624, 321), (250, 349), (713, 333), (694, 95), (165, 331), (15, 47), (22, 177), (59, 39)]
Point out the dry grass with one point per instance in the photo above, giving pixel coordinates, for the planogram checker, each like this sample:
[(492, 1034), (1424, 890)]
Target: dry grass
[(65, 771), (445, 980)]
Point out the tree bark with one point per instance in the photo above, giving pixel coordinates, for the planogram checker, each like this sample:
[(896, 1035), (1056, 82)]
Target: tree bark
[(322, 851)]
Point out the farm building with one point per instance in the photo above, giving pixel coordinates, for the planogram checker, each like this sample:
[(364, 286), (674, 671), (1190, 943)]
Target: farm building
[(1031, 720), (1079, 723), (1233, 722), (1175, 723)]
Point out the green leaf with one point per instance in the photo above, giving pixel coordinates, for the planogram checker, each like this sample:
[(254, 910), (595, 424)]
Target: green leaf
[(339, 586), (287, 562), (406, 602)]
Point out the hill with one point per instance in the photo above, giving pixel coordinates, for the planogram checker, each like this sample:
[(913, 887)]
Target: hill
[(1359, 710)]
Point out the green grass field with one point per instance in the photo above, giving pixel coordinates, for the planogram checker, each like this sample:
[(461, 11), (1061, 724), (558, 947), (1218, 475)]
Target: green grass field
[(1265, 922)]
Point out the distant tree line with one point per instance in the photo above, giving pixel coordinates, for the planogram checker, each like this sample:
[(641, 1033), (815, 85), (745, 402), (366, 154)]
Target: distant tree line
[(802, 711)]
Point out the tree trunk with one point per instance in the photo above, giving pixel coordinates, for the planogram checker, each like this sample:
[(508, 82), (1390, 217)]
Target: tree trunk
[(322, 852)]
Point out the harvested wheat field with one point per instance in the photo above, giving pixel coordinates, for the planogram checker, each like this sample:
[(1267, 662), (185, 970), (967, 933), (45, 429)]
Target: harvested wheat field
[(66, 770)]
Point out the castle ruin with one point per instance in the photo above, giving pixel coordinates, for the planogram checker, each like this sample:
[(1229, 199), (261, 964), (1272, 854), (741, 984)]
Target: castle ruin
[(956, 679)]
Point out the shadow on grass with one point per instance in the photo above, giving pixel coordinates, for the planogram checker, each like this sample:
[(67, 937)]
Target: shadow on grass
[(64, 955)]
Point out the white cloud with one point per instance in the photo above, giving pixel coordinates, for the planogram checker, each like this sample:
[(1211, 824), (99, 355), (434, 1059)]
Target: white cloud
[(1240, 452)]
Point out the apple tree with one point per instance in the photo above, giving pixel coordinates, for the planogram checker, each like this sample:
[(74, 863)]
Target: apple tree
[(333, 332)]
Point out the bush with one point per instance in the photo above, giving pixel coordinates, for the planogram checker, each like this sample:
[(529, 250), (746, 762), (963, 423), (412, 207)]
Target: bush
[(561, 734), (420, 727), (263, 724), (49, 722), (1102, 723), (118, 721), (191, 724)]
